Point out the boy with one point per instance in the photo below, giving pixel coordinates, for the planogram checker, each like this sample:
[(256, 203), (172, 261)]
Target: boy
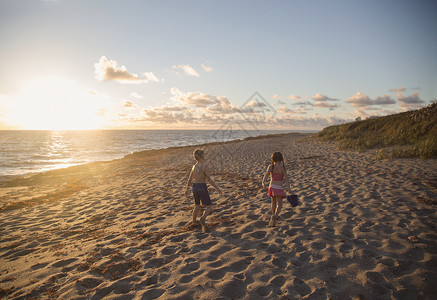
[(198, 178)]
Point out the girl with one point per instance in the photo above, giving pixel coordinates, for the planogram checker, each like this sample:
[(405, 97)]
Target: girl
[(278, 174)]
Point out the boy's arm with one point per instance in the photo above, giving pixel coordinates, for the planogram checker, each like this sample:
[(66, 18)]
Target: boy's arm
[(190, 179), (265, 175), (205, 171)]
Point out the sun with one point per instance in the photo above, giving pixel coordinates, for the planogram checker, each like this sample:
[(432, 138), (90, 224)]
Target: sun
[(55, 103)]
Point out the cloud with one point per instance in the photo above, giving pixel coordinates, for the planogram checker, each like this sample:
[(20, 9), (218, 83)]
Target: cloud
[(322, 104), (294, 97), (151, 77), (222, 106), (163, 116), (320, 97), (410, 102), (362, 100), (194, 109), (136, 95), (398, 89), (384, 100), (197, 99), (302, 103), (287, 111), (412, 99), (108, 70), (129, 104), (189, 70), (256, 104), (276, 96), (174, 108), (207, 68), (217, 105)]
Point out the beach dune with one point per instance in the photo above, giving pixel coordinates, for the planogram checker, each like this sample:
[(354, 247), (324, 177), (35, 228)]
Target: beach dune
[(364, 229)]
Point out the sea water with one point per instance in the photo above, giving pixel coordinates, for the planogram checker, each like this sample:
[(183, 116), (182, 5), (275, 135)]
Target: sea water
[(24, 152)]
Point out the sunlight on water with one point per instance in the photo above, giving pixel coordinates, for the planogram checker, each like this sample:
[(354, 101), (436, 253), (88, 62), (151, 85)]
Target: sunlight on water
[(23, 152)]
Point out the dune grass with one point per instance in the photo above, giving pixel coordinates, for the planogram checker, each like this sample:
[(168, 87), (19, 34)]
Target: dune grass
[(408, 134)]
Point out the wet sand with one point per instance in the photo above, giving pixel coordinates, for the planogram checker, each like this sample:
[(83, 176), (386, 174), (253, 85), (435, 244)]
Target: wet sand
[(364, 229)]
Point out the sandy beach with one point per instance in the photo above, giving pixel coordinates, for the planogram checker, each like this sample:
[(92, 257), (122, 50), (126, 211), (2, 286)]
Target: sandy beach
[(364, 229)]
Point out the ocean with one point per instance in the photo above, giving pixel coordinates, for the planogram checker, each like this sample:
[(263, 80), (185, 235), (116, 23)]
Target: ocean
[(26, 152)]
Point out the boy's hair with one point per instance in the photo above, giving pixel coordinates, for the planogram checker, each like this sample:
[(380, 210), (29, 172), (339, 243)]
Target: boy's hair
[(198, 154)]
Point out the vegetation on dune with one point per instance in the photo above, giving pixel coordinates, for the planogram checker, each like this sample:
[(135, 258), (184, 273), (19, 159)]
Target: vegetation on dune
[(408, 134)]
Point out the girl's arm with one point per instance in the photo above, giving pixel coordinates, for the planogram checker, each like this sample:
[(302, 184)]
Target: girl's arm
[(190, 179), (286, 179), (265, 175)]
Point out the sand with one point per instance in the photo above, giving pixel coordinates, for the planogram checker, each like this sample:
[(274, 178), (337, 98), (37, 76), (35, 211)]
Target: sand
[(364, 229)]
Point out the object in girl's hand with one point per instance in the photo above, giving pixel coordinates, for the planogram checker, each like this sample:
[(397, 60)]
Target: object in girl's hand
[(293, 200)]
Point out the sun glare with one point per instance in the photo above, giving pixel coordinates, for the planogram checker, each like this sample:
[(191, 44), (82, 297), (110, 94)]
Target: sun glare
[(55, 103)]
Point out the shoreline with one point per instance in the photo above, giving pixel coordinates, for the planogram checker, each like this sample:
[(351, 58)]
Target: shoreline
[(119, 228), (4, 179)]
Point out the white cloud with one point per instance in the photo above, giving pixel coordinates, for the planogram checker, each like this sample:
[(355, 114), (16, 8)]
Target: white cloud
[(197, 99), (398, 89), (129, 104), (359, 100), (136, 95), (189, 70), (108, 70), (207, 68), (384, 100), (256, 104), (303, 103), (320, 97), (322, 104), (287, 111), (412, 99), (294, 97), (363, 100), (410, 102), (151, 77), (194, 109)]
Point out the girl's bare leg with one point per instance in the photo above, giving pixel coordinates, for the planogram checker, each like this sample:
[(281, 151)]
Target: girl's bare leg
[(273, 205), (273, 219), (279, 207)]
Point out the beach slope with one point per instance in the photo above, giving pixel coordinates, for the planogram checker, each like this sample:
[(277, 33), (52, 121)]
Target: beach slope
[(364, 229)]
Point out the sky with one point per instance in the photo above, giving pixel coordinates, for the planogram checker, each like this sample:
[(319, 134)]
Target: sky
[(293, 65)]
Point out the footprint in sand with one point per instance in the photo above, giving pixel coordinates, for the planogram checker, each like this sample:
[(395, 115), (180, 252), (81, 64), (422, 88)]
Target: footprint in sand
[(232, 289), (63, 263), (87, 283), (152, 293)]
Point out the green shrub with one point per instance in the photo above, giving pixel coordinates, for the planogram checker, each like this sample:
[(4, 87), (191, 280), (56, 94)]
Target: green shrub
[(414, 131)]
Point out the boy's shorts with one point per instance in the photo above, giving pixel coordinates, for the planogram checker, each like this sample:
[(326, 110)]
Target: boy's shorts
[(200, 193)]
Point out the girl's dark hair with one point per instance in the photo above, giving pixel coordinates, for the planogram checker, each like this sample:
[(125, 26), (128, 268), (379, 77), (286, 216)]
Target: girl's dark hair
[(277, 157)]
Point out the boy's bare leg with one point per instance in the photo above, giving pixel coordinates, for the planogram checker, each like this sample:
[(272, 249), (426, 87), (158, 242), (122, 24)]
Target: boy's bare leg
[(207, 211), (195, 212)]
